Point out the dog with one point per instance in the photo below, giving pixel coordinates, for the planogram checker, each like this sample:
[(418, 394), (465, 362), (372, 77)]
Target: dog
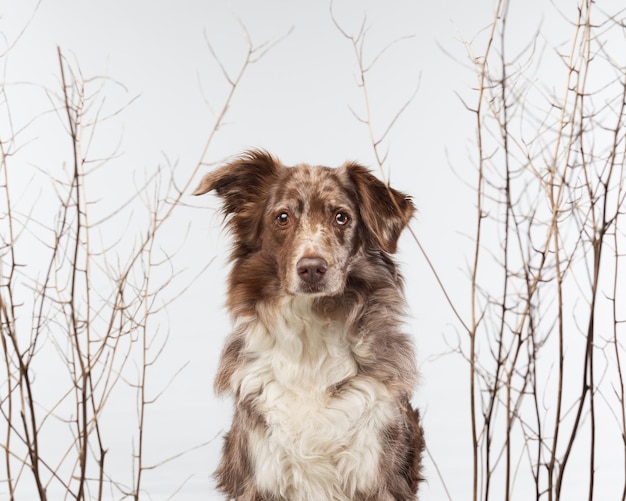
[(317, 363)]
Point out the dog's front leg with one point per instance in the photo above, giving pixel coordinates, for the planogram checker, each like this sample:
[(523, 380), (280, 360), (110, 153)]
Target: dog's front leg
[(235, 476)]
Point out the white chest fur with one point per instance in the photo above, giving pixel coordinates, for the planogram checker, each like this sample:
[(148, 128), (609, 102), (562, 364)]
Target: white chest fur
[(318, 443)]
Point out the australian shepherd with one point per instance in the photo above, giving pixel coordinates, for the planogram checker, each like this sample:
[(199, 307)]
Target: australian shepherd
[(318, 365)]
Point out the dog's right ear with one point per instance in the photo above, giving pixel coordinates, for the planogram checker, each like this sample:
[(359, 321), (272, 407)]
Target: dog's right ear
[(240, 180), (242, 185)]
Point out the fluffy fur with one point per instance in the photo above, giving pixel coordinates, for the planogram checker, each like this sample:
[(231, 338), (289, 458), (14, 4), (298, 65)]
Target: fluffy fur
[(319, 368)]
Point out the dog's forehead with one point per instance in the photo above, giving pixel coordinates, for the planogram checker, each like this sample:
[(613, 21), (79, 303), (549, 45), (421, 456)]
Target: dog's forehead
[(315, 177), (313, 183)]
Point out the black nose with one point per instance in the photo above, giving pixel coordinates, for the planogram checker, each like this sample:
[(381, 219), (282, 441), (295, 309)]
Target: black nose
[(311, 269)]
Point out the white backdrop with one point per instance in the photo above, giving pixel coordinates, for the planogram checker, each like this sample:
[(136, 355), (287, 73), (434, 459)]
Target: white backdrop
[(294, 102)]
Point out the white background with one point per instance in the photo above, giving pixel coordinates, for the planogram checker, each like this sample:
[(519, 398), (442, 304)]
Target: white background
[(295, 102)]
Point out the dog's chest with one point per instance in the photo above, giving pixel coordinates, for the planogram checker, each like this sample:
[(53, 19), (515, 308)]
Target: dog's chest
[(323, 421)]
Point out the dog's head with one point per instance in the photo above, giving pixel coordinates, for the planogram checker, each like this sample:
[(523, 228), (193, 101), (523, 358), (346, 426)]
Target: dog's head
[(304, 225)]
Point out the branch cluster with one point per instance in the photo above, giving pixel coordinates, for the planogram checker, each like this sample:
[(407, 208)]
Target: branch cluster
[(545, 340)]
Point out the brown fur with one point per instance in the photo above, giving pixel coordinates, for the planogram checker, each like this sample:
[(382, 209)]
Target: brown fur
[(368, 302)]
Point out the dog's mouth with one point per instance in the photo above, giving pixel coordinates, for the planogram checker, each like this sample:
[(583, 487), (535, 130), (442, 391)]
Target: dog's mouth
[(312, 290)]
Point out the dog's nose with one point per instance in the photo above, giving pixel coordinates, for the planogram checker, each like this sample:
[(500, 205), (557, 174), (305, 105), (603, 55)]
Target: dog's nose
[(311, 269)]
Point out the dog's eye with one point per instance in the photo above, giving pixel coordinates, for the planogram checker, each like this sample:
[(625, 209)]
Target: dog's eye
[(341, 218), (283, 219)]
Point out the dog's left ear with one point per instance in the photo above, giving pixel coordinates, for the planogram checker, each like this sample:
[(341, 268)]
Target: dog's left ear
[(384, 211)]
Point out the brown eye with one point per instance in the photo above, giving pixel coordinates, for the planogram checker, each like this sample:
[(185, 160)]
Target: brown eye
[(341, 218), (283, 219)]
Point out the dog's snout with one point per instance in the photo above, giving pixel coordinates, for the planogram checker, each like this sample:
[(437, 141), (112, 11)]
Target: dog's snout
[(312, 269)]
